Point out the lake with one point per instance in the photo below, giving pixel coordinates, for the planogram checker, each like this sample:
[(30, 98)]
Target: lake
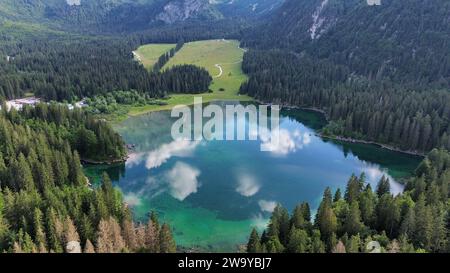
[(213, 193)]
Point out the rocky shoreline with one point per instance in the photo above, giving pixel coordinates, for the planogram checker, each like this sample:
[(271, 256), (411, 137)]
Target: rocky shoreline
[(352, 140), (129, 147), (384, 146), (104, 162)]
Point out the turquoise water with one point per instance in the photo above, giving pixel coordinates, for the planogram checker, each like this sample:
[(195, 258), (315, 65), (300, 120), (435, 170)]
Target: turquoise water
[(213, 193)]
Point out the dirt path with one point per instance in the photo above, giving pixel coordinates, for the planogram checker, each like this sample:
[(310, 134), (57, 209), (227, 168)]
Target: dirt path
[(220, 69), (137, 56), (219, 65)]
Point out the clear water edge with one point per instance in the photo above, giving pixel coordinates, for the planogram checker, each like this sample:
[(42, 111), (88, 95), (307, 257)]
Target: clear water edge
[(213, 193)]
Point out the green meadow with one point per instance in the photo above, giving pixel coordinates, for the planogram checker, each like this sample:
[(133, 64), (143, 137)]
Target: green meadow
[(148, 55), (208, 54)]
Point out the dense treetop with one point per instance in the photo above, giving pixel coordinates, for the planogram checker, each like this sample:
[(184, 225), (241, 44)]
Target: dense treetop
[(415, 221), (46, 202)]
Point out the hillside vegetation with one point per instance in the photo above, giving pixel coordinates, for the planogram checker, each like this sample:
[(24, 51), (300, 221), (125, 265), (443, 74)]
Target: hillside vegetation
[(106, 15), (206, 54), (380, 73), (414, 221)]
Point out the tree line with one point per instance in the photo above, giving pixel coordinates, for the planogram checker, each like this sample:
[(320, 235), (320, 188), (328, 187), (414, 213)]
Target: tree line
[(63, 70), (92, 139), (383, 112), (396, 42), (46, 202), (415, 221), (164, 58), (185, 79)]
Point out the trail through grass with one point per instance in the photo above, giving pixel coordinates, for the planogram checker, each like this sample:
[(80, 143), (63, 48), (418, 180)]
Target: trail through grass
[(209, 54)]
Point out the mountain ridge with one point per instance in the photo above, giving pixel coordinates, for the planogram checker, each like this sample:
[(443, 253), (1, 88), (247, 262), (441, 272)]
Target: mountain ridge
[(401, 41), (106, 15)]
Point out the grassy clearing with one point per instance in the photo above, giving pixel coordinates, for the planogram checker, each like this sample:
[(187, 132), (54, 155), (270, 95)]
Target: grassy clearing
[(148, 55), (206, 54)]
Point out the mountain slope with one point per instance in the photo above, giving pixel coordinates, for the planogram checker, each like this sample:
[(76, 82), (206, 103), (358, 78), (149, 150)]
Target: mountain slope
[(402, 40), (109, 15), (252, 8)]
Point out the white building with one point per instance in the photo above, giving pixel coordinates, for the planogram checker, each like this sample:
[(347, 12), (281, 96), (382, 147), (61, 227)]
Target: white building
[(19, 103)]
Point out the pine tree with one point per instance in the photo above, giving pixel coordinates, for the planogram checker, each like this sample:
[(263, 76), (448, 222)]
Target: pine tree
[(118, 243), (306, 211), (353, 245), (87, 231), (273, 245), (108, 192), (22, 175), (337, 195), (3, 225), (151, 237), (439, 234), (104, 243), (167, 244), (3, 171), (140, 237), (352, 223), (367, 202), (299, 241), (423, 224), (39, 235), (254, 243), (155, 221), (101, 206), (76, 175), (70, 231), (353, 189), (388, 214), (129, 235), (326, 219), (284, 226), (298, 219), (405, 245), (317, 246), (89, 247), (53, 231), (407, 226), (339, 248), (383, 186), (17, 248)]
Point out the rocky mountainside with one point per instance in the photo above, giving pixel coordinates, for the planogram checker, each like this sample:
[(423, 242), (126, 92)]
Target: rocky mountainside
[(252, 8), (403, 40), (181, 10), (109, 15)]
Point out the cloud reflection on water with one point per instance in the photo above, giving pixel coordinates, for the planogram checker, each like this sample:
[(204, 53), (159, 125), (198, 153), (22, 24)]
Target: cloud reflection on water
[(132, 199), (247, 185), (134, 159), (176, 148), (289, 141), (374, 174), (267, 206), (183, 180)]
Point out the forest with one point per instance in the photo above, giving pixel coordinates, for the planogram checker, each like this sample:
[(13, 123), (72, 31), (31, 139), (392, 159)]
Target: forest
[(46, 202), (412, 120), (70, 70), (404, 43), (67, 72), (94, 140), (380, 74), (415, 221)]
